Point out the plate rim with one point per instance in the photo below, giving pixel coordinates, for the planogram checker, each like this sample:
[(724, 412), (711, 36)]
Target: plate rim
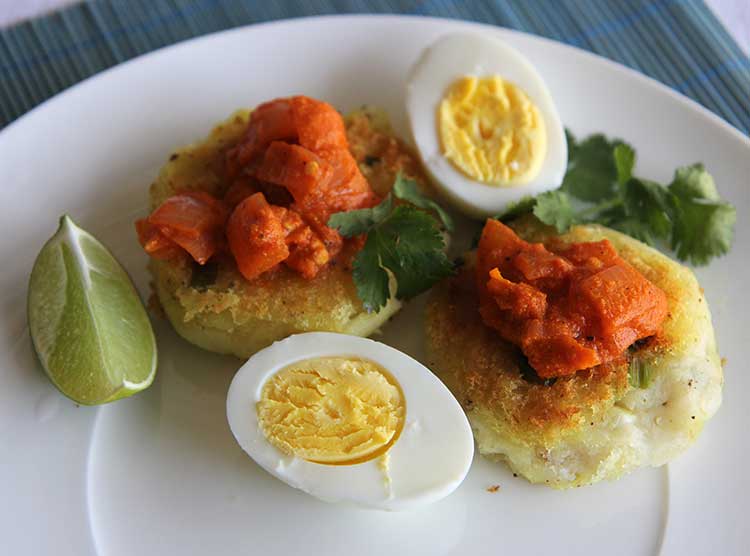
[(711, 117), (707, 117)]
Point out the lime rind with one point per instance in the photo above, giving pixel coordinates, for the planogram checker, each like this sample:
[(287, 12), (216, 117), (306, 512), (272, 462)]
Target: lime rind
[(88, 325)]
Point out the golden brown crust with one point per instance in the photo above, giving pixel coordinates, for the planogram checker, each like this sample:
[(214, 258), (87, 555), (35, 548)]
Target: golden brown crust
[(592, 425), (489, 373), (379, 152), (199, 166), (229, 314)]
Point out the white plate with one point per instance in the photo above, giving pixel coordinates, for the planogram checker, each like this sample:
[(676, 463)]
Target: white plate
[(160, 474)]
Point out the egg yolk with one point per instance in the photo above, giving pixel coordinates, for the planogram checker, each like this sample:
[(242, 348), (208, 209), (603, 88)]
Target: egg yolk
[(491, 131), (333, 410)]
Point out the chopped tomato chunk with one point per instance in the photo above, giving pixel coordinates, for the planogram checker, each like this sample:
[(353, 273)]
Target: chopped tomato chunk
[(318, 125), (261, 236), (188, 214), (155, 243), (350, 186), (271, 121), (557, 355), (285, 178), (313, 164), (192, 220), (536, 263), (308, 253), (619, 298), (240, 190), (592, 255), (520, 300), (569, 309), (301, 171), (256, 236)]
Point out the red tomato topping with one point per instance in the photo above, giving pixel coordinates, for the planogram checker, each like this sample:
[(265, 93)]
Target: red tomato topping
[(290, 172), (193, 221), (568, 309)]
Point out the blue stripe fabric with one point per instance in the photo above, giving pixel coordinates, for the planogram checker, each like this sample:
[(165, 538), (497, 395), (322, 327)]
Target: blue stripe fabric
[(678, 42)]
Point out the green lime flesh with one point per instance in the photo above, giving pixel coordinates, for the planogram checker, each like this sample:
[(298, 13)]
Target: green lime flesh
[(88, 325)]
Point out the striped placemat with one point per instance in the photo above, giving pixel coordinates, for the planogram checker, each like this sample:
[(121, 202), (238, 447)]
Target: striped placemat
[(680, 43)]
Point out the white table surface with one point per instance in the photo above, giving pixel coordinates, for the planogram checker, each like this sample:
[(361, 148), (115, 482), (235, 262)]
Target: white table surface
[(734, 14)]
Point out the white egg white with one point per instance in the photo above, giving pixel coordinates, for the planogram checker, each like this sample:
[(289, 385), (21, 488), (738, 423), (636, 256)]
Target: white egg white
[(457, 55), (426, 463)]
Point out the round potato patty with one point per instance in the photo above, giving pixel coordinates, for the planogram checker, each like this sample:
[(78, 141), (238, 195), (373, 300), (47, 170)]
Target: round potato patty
[(214, 307), (593, 425)]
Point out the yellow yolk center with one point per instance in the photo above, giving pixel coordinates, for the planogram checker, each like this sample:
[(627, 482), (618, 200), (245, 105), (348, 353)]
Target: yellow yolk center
[(491, 131), (333, 410)]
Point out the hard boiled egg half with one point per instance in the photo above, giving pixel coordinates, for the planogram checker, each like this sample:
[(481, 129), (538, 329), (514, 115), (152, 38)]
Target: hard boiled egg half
[(348, 419), (484, 123)]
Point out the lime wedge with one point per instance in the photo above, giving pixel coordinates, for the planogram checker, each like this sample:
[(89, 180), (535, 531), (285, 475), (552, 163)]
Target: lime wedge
[(88, 326)]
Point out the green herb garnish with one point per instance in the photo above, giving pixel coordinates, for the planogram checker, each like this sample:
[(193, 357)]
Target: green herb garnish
[(522, 206), (401, 239), (408, 190), (640, 374), (688, 215)]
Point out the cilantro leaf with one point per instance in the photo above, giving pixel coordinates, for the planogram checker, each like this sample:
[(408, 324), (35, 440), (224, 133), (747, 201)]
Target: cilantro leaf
[(554, 208), (592, 172), (695, 183), (517, 208), (357, 222), (703, 223), (411, 247), (703, 230), (570, 139), (599, 186), (624, 157), (408, 190), (401, 239), (646, 210), (634, 228), (370, 279)]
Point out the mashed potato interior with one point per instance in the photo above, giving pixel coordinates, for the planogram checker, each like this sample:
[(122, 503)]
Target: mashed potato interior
[(333, 410)]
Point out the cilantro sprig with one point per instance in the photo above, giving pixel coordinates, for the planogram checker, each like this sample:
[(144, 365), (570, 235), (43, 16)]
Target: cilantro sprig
[(401, 239), (408, 190), (688, 215)]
